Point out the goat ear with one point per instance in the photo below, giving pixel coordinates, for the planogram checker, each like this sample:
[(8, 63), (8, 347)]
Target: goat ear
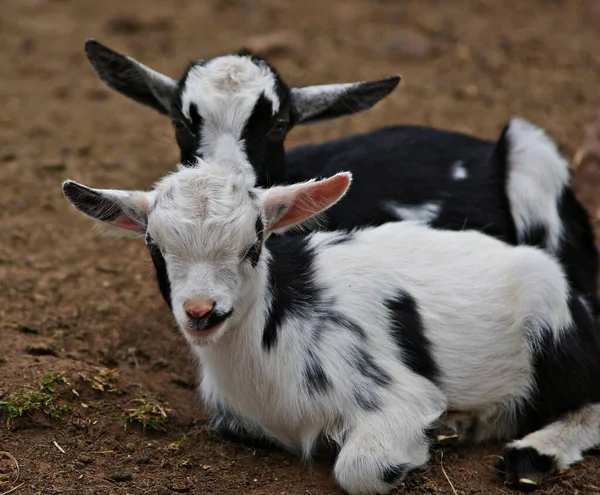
[(286, 206), (126, 212), (130, 78), (329, 101)]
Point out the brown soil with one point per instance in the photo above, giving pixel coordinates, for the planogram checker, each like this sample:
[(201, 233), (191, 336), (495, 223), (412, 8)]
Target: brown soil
[(72, 301)]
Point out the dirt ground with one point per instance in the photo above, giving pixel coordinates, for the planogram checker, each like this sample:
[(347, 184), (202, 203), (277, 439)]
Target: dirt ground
[(82, 309)]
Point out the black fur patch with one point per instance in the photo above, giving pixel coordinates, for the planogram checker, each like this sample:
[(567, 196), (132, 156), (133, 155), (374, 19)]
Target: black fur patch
[(227, 425), (565, 372), (259, 226), (497, 164), (363, 362), (291, 283), (535, 236), (160, 270), (526, 464), (367, 399), (188, 132), (409, 334), (339, 238), (315, 376), (253, 254), (394, 474), (395, 158), (431, 437), (339, 320), (263, 149), (188, 139), (578, 253), (195, 117)]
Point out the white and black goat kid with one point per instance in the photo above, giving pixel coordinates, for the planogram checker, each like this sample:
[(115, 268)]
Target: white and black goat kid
[(236, 110), (365, 338)]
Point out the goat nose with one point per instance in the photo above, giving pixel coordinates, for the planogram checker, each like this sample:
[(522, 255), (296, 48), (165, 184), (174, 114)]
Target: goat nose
[(199, 308)]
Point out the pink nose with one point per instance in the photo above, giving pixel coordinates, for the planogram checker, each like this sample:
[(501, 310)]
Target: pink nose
[(198, 308)]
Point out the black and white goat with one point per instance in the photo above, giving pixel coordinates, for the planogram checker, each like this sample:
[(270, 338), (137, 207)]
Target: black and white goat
[(237, 110), (365, 338)]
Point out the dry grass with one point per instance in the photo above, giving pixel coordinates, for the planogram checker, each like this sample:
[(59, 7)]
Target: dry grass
[(150, 414)]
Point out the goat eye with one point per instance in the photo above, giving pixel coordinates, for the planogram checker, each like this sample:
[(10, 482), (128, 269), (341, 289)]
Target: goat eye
[(253, 253), (278, 129)]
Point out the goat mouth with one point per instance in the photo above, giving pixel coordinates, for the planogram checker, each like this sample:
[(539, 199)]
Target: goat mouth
[(207, 325), (205, 332)]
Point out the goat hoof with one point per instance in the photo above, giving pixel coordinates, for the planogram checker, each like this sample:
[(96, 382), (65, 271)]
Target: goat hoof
[(527, 481), (446, 438), (454, 428), (525, 468)]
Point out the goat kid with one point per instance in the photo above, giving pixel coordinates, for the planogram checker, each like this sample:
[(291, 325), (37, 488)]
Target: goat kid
[(365, 337), (237, 110)]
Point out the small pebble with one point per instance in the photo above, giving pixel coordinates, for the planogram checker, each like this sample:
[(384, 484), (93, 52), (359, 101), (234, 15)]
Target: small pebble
[(121, 477), (41, 349)]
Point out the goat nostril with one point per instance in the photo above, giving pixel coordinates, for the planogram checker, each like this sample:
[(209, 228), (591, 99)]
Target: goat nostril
[(198, 309), (196, 316)]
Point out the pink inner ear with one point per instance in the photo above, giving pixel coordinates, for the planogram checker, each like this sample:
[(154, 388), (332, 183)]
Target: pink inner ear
[(124, 222), (310, 199)]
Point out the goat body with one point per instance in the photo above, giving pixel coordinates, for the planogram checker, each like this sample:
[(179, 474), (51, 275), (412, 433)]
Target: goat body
[(366, 337)]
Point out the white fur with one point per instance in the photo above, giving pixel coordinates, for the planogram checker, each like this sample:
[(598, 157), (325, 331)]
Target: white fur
[(537, 177), (459, 171), (484, 306), (425, 213)]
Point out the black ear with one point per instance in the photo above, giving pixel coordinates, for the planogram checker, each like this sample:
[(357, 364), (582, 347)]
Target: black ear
[(130, 78), (121, 210), (329, 101)]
